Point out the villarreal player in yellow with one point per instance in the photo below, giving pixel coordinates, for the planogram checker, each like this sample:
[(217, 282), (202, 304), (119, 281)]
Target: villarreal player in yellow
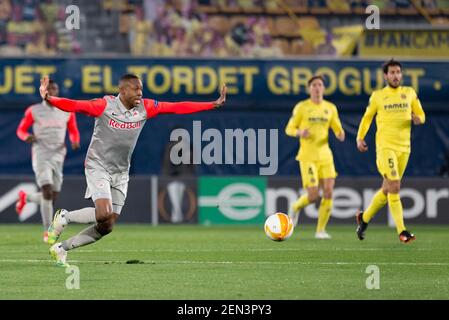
[(395, 108), (310, 122)]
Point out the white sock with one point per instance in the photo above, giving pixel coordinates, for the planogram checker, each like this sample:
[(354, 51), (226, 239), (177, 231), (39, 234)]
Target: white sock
[(34, 197), (85, 215), (46, 212), (87, 236)]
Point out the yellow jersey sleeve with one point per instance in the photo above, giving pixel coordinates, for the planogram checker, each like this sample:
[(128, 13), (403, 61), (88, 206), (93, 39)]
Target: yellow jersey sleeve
[(367, 118), (417, 108), (294, 122), (335, 122)]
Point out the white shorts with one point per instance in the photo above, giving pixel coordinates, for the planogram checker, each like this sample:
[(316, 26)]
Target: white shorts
[(48, 172), (102, 185)]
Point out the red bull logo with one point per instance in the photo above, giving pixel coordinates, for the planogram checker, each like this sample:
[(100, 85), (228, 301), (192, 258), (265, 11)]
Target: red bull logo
[(124, 125)]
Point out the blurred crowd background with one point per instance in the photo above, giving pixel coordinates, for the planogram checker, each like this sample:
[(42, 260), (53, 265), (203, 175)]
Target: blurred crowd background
[(204, 28)]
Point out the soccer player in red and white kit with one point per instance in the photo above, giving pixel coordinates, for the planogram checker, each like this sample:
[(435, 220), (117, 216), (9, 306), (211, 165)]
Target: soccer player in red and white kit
[(118, 123), (48, 152)]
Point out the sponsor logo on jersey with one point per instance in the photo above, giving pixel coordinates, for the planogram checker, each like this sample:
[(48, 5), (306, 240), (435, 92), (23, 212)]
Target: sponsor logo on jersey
[(124, 125), (318, 119), (396, 106)]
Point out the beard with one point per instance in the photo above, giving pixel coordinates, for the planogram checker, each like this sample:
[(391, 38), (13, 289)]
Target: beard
[(394, 84)]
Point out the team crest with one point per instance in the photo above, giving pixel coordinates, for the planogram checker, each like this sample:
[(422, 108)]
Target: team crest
[(326, 111), (403, 96)]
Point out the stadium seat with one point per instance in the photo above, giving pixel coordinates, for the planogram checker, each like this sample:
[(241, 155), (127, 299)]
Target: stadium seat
[(220, 23), (272, 7), (302, 47), (249, 7), (339, 6), (284, 44), (207, 9), (272, 27), (287, 27), (309, 22)]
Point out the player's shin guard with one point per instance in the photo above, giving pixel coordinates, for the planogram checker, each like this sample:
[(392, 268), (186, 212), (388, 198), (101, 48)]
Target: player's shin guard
[(85, 237), (324, 214), (378, 202), (394, 202), (302, 202)]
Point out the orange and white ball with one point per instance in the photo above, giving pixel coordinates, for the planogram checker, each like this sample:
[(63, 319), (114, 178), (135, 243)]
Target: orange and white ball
[(278, 227)]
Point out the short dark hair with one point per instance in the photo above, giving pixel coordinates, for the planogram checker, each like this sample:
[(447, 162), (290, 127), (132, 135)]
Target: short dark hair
[(318, 76), (51, 81), (391, 63), (129, 76)]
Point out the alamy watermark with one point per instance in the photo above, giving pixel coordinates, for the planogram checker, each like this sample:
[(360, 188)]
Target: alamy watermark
[(72, 22), (372, 22), (373, 280), (235, 146), (73, 280)]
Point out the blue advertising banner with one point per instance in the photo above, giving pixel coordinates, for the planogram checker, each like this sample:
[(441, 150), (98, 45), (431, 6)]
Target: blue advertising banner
[(253, 84)]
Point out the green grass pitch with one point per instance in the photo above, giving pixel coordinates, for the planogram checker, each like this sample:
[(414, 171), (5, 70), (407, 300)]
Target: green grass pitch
[(228, 262)]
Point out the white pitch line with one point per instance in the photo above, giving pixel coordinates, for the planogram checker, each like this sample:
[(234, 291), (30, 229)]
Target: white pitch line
[(397, 249), (437, 264)]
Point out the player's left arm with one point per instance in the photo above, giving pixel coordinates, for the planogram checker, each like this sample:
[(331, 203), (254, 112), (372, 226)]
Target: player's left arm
[(74, 134), (154, 107), (336, 126), (418, 115)]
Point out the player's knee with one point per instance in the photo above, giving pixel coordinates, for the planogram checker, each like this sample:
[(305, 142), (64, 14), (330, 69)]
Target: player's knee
[(313, 195), (102, 215), (327, 193), (105, 227), (394, 187), (47, 194)]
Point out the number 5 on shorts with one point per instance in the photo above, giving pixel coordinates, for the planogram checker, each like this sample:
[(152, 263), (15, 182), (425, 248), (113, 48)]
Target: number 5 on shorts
[(391, 163)]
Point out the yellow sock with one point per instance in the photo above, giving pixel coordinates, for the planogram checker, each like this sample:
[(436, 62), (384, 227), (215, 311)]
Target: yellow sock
[(324, 213), (378, 202), (394, 202), (301, 203)]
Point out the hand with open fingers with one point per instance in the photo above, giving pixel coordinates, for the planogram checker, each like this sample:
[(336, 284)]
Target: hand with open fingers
[(222, 99), (43, 89)]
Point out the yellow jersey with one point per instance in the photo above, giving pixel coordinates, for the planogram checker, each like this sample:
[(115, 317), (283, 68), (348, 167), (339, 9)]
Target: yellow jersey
[(317, 118), (393, 109)]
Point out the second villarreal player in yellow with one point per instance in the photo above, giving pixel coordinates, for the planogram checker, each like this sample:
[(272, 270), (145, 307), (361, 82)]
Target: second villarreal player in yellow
[(310, 122), (395, 108)]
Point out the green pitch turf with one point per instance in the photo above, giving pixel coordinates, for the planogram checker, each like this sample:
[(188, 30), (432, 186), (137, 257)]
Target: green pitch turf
[(192, 262)]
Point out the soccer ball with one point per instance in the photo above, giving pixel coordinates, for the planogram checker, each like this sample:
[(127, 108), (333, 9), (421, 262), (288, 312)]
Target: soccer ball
[(278, 227)]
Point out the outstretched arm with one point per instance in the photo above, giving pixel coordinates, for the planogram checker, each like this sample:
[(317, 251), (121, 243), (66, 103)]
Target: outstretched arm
[(93, 108), (25, 124), (155, 107)]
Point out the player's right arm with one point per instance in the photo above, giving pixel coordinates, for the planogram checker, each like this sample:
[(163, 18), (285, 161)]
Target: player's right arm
[(367, 118), (93, 108), (24, 125), (292, 128), (418, 115)]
